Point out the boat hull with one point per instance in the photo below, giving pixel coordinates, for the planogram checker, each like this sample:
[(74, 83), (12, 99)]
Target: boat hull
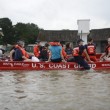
[(6, 65)]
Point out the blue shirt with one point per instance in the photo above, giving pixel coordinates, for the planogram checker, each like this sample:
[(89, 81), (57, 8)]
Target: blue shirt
[(55, 51), (18, 55)]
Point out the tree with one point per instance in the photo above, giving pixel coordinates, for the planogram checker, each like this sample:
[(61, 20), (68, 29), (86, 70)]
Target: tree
[(7, 28), (27, 32)]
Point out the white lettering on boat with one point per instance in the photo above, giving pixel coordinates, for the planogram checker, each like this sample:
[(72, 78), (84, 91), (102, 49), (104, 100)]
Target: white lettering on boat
[(63, 66), (91, 65), (105, 64)]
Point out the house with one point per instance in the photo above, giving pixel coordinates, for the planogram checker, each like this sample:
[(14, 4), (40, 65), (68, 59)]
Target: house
[(99, 35)]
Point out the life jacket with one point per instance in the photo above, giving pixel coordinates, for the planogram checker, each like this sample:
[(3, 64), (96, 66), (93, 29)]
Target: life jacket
[(55, 44), (78, 52), (107, 49), (91, 49), (36, 50), (23, 51)]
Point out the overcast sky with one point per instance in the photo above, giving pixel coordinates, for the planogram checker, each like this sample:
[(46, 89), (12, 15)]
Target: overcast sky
[(57, 14)]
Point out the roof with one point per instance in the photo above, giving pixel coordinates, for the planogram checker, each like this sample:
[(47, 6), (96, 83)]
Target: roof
[(61, 35), (72, 35)]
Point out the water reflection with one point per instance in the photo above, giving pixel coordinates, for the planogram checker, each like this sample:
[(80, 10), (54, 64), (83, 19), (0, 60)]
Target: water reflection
[(51, 90)]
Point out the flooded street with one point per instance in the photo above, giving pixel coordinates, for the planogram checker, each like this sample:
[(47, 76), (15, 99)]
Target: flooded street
[(54, 90)]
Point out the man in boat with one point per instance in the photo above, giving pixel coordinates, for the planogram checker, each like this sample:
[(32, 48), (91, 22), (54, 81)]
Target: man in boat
[(78, 55), (20, 52), (55, 54), (106, 55), (91, 50), (37, 49)]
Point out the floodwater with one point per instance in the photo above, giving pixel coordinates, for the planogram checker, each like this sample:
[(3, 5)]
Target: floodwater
[(54, 90)]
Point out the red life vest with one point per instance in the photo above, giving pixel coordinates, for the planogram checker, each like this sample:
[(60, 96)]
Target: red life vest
[(23, 51), (91, 49), (76, 51)]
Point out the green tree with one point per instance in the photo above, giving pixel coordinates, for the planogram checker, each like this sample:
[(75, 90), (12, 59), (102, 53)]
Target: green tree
[(7, 28), (27, 32)]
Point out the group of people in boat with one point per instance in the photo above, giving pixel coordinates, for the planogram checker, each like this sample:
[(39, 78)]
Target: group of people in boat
[(56, 52)]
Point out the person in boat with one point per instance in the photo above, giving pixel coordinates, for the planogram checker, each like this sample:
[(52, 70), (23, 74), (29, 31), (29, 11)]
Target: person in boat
[(78, 52), (55, 54), (20, 52), (44, 53), (37, 49), (1, 53), (68, 50), (106, 55), (63, 52), (91, 50)]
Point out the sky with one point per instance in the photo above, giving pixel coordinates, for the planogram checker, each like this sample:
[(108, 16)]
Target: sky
[(57, 14)]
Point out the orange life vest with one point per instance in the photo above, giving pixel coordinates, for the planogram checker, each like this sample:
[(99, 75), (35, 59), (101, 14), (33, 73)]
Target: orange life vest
[(36, 51), (91, 49), (23, 51)]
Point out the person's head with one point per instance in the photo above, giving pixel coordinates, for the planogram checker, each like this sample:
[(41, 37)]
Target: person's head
[(46, 45), (38, 43), (109, 41), (68, 45), (90, 40), (21, 43), (80, 42)]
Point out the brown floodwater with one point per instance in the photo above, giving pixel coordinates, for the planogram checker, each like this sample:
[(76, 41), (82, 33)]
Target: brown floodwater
[(55, 90)]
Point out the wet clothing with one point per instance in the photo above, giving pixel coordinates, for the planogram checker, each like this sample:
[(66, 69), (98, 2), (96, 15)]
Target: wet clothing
[(78, 57)]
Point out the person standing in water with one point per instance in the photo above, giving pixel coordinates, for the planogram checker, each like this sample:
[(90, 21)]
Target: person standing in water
[(78, 55)]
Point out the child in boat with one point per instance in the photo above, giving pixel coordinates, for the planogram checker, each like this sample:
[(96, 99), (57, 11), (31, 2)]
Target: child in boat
[(106, 55), (55, 54), (91, 50), (78, 55)]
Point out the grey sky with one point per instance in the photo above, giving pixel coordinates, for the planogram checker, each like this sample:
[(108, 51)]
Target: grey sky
[(57, 14)]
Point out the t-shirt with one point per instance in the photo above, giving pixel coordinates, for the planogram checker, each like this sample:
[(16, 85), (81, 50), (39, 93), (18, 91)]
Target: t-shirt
[(18, 55), (55, 51)]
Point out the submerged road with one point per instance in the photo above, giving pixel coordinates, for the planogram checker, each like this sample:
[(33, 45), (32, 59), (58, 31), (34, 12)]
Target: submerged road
[(54, 90)]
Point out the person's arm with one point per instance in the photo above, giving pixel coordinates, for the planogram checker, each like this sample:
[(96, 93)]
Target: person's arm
[(50, 55), (87, 56), (62, 56), (102, 55), (11, 54)]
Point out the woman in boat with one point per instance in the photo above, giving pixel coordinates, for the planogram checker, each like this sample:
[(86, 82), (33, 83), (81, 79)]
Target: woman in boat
[(68, 50), (78, 55), (106, 55), (44, 53), (91, 50), (55, 54)]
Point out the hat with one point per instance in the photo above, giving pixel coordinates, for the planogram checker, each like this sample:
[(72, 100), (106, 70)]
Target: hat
[(80, 40)]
